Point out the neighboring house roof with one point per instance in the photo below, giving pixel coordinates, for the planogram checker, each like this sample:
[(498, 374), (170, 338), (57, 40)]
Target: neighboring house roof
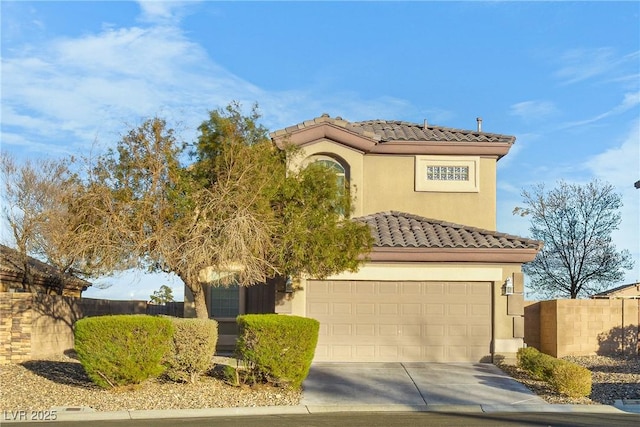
[(629, 290), (434, 240), (12, 272), (387, 136)]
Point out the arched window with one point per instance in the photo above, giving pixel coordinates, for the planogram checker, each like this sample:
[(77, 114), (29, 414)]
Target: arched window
[(336, 166), (341, 169)]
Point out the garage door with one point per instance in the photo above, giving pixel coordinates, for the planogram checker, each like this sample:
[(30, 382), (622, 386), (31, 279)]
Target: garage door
[(401, 321)]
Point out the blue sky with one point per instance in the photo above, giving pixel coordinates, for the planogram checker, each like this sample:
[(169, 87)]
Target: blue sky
[(563, 77)]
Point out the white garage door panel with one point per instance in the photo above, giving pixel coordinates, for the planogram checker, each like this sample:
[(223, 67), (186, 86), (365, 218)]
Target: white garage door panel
[(401, 321)]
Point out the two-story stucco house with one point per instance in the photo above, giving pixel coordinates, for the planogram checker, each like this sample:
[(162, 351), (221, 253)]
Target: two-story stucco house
[(441, 284)]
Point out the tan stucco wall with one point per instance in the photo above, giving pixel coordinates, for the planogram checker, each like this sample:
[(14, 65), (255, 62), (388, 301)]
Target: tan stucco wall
[(387, 182), (508, 327)]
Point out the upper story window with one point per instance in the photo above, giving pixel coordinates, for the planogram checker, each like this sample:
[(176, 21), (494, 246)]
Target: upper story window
[(341, 171), (335, 166), (454, 174)]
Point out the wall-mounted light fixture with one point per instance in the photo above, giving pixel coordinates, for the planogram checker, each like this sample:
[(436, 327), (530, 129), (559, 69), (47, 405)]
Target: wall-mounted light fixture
[(288, 286), (507, 288)]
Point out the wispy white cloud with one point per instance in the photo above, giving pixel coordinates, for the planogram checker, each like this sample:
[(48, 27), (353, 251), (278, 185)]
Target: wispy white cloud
[(620, 166), (71, 91), (577, 65), (629, 101), (164, 11), (78, 87), (533, 110)]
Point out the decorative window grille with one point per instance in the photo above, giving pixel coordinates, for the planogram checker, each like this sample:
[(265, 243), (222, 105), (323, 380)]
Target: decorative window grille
[(447, 173)]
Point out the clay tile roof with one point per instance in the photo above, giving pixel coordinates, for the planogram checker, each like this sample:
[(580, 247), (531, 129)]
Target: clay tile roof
[(402, 230), (406, 131), (389, 130)]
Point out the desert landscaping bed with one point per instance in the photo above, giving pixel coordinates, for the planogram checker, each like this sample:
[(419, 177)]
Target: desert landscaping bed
[(61, 382), (614, 378)]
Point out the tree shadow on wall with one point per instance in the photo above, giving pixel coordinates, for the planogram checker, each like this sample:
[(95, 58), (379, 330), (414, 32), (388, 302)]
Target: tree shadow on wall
[(619, 341)]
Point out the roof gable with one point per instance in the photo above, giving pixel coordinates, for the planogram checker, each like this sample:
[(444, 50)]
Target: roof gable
[(395, 137)]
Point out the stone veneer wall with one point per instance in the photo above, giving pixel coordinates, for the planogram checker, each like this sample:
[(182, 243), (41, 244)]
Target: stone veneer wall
[(583, 327), (38, 325)]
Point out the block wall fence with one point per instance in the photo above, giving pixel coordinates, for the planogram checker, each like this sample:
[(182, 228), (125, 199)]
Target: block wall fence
[(583, 327)]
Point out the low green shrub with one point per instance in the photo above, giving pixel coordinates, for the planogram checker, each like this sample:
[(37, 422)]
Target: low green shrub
[(192, 348), (570, 379), (565, 377), (123, 349), (277, 348), (526, 358), (538, 364)]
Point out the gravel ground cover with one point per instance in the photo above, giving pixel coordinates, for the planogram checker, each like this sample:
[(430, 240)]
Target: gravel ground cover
[(61, 382), (614, 378)]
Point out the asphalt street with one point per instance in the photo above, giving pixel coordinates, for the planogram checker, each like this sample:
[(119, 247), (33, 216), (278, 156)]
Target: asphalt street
[(373, 419)]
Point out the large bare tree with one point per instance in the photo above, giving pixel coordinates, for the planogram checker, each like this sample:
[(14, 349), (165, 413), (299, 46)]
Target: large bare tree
[(575, 223), (34, 196)]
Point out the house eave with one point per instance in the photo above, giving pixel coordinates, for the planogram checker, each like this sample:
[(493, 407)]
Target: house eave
[(340, 135), (370, 143), (442, 148), (483, 255)]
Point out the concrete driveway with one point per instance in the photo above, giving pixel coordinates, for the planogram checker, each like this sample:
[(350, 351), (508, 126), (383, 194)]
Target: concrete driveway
[(414, 386)]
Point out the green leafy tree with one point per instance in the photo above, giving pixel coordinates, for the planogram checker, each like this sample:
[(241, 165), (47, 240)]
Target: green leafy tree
[(575, 223), (235, 207), (303, 207), (162, 295)]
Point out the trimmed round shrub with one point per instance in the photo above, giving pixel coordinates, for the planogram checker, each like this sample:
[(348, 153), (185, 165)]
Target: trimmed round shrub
[(122, 349), (538, 364), (192, 348), (277, 348), (570, 379)]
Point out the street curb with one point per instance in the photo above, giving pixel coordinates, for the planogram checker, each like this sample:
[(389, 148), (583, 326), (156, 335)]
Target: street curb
[(218, 412), (87, 414), (590, 409)]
